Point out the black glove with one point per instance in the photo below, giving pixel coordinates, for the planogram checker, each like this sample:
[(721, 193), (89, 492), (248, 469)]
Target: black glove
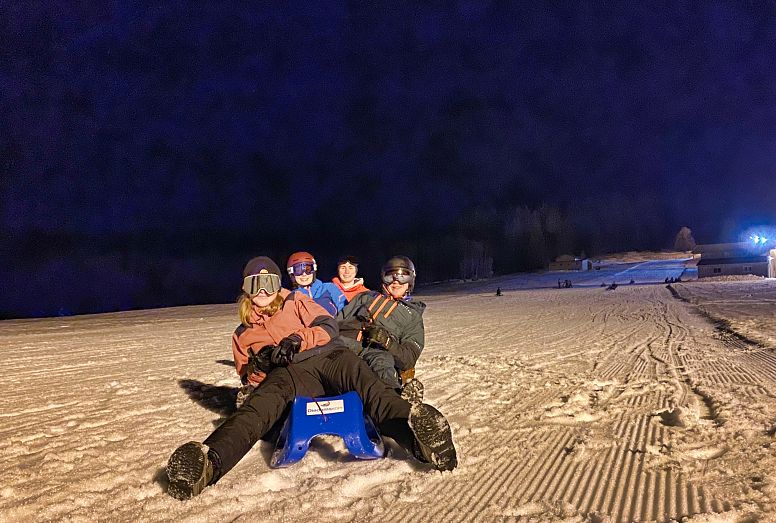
[(363, 314), (378, 335), (260, 361), (283, 354)]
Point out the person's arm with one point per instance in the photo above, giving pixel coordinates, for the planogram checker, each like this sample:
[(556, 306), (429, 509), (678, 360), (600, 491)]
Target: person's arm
[(240, 353), (318, 326), (350, 323), (407, 351), (405, 343), (327, 302), (337, 295)]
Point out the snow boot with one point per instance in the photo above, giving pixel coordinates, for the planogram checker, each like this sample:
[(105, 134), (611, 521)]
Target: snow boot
[(433, 437), (189, 470), (412, 391)]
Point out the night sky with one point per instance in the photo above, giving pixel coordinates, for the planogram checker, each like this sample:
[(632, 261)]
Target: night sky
[(148, 149)]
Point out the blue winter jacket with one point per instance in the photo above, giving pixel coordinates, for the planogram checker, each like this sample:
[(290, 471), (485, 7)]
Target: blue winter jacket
[(327, 295)]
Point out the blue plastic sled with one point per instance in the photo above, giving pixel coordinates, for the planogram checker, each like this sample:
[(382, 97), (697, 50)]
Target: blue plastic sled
[(337, 415)]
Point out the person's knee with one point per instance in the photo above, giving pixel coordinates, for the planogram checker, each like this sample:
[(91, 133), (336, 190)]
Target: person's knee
[(379, 359), (390, 376), (277, 388)]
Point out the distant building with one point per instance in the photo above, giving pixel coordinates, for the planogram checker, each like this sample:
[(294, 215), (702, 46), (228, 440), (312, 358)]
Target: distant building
[(723, 259), (567, 262), (726, 250)]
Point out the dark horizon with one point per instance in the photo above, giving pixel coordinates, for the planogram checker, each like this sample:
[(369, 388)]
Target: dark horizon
[(147, 151)]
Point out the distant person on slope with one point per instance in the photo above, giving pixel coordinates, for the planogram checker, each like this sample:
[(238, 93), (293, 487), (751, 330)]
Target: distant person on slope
[(347, 269), (386, 328), (302, 269), (296, 350)]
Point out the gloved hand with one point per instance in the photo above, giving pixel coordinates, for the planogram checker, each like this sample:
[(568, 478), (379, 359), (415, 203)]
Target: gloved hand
[(243, 393), (260, 361), (378, 335), (363, 314), (283, 354)]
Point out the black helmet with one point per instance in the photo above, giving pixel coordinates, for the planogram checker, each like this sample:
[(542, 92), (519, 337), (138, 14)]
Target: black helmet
[(398, 268)]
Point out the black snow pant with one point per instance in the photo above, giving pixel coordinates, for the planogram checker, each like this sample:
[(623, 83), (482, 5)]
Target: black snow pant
[(326, 374)]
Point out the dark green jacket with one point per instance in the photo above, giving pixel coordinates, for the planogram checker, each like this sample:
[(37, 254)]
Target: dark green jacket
[(403, 319)]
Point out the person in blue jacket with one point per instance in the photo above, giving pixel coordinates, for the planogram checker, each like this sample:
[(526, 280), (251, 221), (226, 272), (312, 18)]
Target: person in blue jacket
[(302, 269)]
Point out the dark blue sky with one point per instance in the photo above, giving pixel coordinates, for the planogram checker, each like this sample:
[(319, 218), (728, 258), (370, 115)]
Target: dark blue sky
[(314, 125)]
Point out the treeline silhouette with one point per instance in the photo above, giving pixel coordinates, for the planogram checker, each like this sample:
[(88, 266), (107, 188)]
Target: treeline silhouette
[(50, 274)]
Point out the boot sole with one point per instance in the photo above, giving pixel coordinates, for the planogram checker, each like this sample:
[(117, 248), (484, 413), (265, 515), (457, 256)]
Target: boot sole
[(412, 391), (433, 436), (186, 471)]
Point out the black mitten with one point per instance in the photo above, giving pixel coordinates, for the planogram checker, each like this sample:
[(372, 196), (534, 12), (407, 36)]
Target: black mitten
[(283, 354), (260, 361), (378, 335)]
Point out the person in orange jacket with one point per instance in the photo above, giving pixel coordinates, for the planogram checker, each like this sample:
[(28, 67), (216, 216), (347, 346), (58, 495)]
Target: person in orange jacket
[(310, 324), (347, 269)]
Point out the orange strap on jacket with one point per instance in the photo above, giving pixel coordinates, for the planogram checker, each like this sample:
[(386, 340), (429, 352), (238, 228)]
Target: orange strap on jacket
[(374, 303), (393, 307), (374, 313)]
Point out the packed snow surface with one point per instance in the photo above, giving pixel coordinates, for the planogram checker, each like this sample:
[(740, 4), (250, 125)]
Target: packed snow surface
[(642, 403)]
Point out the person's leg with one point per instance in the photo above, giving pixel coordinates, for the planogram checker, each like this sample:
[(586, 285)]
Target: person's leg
[(382, 363), (342, 371), (422, 430), (195, 465), (237, 435)]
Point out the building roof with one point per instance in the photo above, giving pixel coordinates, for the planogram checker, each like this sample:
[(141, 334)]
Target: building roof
[(731, 261), (730, 250), (720, 247)]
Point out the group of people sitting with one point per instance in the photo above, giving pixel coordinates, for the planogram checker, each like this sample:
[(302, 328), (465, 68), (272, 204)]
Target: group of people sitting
[(321, 339)]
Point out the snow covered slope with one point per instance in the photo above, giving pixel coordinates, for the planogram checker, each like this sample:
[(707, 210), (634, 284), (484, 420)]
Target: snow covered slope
[(573, 404)]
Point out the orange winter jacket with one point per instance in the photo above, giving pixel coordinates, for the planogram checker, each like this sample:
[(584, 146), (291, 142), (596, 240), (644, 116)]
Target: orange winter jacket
[(299, 315), (357, 288)]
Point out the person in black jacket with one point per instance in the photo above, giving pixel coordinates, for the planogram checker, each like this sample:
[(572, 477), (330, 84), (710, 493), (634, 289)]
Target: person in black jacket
[(386, 328)]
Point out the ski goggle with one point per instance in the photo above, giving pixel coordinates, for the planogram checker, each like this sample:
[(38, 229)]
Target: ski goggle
[(402, 276), (300, 268), (269, 283)]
